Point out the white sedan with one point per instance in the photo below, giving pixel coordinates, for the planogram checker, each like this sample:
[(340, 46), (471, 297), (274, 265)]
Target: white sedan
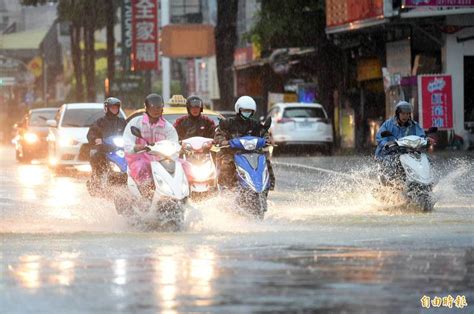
[(301, 124), (67, 139)]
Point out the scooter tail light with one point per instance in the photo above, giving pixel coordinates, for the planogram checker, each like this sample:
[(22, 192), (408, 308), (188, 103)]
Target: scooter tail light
[(284, 120)]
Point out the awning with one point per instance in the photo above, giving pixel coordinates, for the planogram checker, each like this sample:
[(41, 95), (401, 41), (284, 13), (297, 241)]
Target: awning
[(251, 64), (429, 12), (356, 25), (28, 40)]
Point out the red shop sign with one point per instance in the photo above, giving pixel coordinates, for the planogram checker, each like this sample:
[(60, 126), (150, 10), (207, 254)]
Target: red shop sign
[(438, 3), (436, 101), (144, 35)]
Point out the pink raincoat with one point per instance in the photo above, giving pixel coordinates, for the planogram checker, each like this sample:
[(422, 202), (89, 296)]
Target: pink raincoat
[(139, 163)]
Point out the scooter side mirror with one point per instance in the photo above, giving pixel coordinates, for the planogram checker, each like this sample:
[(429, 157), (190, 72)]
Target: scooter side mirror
[(268, 123), (386, 134), (431, 130), (136, 132)]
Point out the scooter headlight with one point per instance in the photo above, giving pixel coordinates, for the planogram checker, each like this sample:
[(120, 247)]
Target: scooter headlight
[(163, 187), (412, 174), (249, 144), (168, 150), (120, 153), (115, 167), (207, 146), (31, 138), (118, 141), (265, 177), (202, 172), (247, 177), (185, 187), (187, 147)]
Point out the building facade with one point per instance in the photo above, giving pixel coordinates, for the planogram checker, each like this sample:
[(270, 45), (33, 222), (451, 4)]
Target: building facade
[(389, 46)]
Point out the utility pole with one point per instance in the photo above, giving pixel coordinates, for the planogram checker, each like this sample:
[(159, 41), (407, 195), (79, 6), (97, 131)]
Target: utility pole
[(45, 80), (165, 61)]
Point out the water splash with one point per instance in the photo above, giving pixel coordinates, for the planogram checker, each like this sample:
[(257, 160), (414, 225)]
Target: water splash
[(303, 199)]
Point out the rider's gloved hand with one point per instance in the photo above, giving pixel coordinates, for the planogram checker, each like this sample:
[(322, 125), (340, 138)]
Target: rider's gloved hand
[(223, 143), (431, 141)]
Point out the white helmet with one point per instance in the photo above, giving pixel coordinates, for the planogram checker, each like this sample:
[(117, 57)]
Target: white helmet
[(245, 102)]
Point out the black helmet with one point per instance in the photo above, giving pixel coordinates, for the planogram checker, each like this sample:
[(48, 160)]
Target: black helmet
[(154, 100), (403, 106), (111, 101), (194, 101)]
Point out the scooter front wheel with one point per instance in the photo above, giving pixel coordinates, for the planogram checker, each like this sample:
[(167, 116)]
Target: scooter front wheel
[(254, 203)]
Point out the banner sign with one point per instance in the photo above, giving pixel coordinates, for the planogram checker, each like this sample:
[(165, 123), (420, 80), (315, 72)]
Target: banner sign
[(126, 34), (438, 3), (144, 35), (436, 101), (191, 75)]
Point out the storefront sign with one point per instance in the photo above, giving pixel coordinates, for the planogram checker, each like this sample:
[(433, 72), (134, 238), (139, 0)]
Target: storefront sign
[(436, 101), (126, 85), (144, 35), (339, 12), (126, 34), (188, 40), (369, 69), (438, 3)]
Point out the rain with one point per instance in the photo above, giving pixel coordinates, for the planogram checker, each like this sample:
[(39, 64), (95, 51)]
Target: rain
[(361, 219)]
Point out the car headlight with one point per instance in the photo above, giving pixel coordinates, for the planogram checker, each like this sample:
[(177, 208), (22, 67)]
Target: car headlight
[(67, 141), (31, 138)]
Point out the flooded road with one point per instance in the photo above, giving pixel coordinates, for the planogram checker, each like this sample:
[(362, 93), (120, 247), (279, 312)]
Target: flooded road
[(326, 245)]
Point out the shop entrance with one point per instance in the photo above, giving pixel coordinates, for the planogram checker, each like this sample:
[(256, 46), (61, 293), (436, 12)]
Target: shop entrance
[(469, 91)]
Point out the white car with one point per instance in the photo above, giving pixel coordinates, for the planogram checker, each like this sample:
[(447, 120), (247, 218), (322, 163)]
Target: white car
[(301, 124), (67, 138)]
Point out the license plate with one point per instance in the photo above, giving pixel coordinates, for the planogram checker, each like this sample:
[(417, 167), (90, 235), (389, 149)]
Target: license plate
[(304, 124)]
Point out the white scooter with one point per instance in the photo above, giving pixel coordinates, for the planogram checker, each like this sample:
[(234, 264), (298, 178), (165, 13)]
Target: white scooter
[(407, 169), (199, 166), (161, 205)]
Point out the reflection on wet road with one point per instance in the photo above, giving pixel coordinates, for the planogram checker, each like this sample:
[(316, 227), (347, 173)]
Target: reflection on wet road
[(325, 246)]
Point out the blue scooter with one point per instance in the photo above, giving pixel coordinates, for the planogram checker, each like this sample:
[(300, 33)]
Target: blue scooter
[(115, 171), (252, 172)]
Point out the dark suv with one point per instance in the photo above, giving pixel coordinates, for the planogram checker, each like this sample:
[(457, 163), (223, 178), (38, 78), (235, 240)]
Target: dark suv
[(31, 132)]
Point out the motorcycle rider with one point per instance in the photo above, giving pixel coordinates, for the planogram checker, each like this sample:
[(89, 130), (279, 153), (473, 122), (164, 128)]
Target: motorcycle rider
[(400, 125), (240, 125), (153, 128), (194, 124), (109, 125)]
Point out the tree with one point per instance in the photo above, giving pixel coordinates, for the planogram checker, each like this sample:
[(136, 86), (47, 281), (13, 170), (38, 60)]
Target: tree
[(110, 9), (85, 17), (300, 23), (226, 40)]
